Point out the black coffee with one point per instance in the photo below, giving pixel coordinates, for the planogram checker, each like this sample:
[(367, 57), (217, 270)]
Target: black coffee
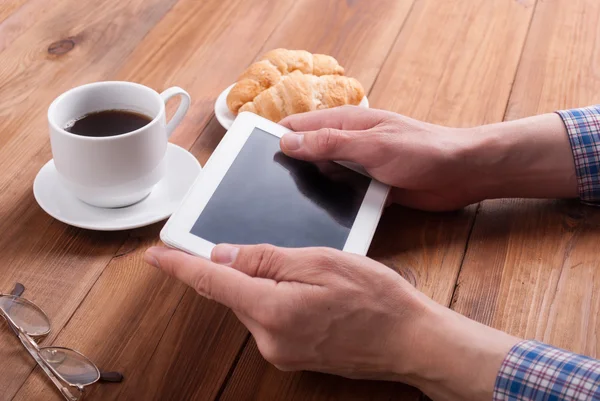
[(107, 123)]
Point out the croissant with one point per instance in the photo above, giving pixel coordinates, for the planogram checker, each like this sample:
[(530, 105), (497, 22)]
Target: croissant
[(299, 93), (272, 67)]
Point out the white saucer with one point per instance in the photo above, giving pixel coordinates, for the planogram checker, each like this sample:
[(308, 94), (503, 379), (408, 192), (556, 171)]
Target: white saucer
[(226, 117), (182, 170)]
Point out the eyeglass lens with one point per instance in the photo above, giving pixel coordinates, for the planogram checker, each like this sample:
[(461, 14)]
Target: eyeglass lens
[(31, 319), (73, 367), (70, 365)]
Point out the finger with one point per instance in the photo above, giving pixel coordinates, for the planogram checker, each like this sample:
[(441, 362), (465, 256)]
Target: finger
[(325, 144), (266, 261), (229, 287), (345, 118), (301, 265)]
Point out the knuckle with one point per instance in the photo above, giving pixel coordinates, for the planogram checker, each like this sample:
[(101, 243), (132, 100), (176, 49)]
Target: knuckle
[(382, 139), (202, 285), (269, 317), (271, 351), (167, 266), (328, 140), (325, 259), (334, 264), (264, 259)]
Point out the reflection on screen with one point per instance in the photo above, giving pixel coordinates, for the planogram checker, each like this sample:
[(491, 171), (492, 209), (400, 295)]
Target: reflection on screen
[(268, 197)]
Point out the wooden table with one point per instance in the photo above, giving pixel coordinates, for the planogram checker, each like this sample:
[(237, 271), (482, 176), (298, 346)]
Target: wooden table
[(525, 266)]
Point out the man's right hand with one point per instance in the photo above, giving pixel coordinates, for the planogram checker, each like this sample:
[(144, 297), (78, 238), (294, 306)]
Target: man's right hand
[(330, 311), (439, 168)]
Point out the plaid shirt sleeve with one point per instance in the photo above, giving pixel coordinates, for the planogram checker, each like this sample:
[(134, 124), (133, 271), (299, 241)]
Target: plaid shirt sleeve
[(583, 127), (536, 371)]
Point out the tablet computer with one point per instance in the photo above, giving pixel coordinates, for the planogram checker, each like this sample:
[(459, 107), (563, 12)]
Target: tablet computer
[(249, 192)]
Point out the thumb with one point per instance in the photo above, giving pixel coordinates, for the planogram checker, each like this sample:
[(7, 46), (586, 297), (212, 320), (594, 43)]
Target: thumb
[(264, 261), (227, 286), (323, 144), (299, 265)]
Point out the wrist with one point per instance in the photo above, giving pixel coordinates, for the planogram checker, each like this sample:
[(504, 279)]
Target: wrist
[(527, 158), (453, 357)]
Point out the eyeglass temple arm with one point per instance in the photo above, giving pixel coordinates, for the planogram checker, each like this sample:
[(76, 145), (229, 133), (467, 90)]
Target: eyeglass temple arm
[(112, 377), (18, 290)]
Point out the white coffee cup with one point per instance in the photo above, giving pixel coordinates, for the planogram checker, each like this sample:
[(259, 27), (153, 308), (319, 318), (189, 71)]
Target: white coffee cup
[(120, 170)]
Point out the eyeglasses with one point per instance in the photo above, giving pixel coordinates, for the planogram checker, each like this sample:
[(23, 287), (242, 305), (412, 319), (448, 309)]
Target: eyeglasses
[(61, 365)]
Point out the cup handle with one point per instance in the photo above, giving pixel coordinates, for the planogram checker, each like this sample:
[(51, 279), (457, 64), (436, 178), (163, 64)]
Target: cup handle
[(184, 105)]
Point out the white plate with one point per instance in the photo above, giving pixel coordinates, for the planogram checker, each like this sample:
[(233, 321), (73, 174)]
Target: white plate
[(182, 170), (226, 117)]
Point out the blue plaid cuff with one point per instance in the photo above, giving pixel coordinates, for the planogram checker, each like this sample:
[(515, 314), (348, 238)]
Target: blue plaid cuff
[(583, 126), (536, 371)]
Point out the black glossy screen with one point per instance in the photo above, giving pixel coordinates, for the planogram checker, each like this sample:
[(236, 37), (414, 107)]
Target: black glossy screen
[(268, 197)]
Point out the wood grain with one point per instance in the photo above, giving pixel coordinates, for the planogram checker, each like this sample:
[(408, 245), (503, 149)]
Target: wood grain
[(197, 47), (323, 36), (57, 264), (8, 7), (28, 85), (427, 249), (463, 79), (531, 268), (262, 382), (557, 69), (358, 33), (17, 20), (213, 15), (465, 75)]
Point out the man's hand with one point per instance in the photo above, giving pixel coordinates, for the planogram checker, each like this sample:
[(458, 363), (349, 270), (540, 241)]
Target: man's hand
[(329, 311), (438, 168), (309, 309)]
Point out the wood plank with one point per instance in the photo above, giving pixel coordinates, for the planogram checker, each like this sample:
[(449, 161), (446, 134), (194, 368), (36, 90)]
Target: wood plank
[(257, 383), (57, 271), (134, 324), (201, 342), (558, 66), (122, 320), (179, 351), (202, 56), (9, 7), (461, 72), (358, 33), (532, 267), (18, 17), (57, 264), (30, 83), (133, 301), (452, 63), (531, 270)]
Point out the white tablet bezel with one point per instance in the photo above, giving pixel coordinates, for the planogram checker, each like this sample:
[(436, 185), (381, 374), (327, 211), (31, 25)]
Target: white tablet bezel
[(176, 233)]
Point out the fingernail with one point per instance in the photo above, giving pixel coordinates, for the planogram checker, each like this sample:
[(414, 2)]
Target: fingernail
[(224, 254), (292, 141), (150, 258)]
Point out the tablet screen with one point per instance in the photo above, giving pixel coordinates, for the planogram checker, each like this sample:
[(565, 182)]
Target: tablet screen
[(268, 197)]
